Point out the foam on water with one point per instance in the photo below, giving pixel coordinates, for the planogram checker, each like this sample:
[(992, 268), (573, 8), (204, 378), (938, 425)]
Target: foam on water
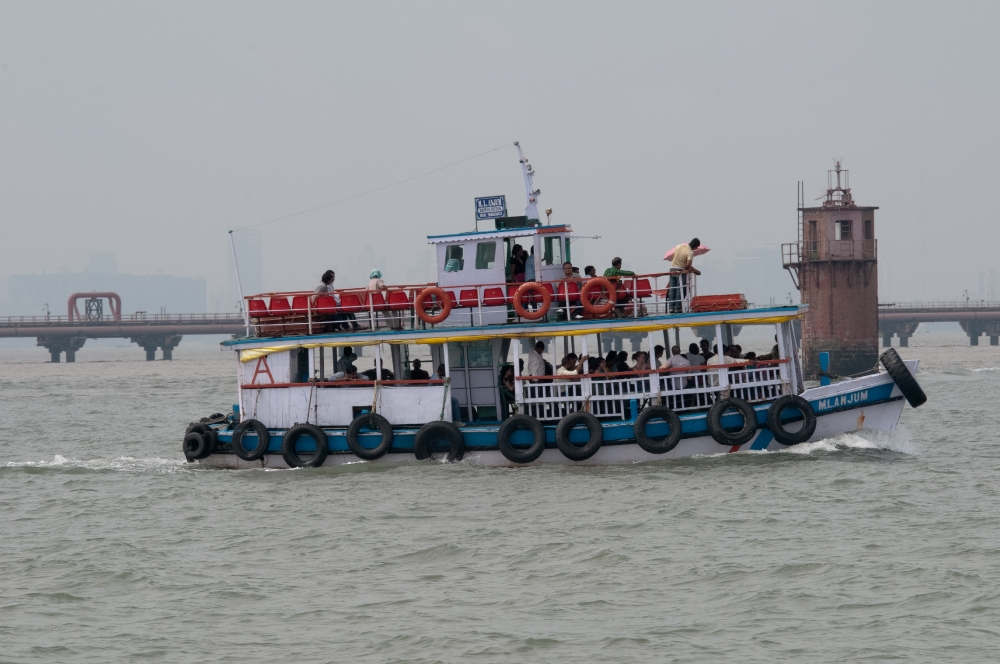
[(896, 441), (124, 463), (987, 369)]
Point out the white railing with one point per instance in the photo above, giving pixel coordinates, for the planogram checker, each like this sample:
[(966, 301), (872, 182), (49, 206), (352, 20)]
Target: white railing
[(609, 395)]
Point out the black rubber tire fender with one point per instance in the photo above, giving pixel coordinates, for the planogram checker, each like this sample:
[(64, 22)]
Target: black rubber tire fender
[(430, 433), (263, 440), (196, 445), (778, 430), (516, 454), (292, 436), (650, 444), (731, 438), (567, 424), (196, 426), (904, 380), (371, 420)]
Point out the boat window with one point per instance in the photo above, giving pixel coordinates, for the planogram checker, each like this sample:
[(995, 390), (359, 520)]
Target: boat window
[(842, 230), (552, 255), (454, 258), (456, 355), (480, 354), (486, 255)]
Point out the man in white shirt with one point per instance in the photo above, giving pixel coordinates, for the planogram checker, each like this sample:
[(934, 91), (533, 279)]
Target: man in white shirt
[(346, 359), (536, 361)]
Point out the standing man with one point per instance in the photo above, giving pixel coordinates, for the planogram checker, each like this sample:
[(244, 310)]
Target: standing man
[(536, 360), (681, 264)]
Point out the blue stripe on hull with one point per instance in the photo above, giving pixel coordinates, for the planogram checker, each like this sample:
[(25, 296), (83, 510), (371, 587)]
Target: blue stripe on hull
[(483, 436)]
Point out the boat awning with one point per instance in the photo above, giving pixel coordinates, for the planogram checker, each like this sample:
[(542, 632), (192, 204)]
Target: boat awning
[(251, 349), (506, 232)]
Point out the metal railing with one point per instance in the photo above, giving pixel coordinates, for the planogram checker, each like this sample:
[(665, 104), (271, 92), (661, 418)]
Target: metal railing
[(961, 304), (139, 317), (637, 296), (609, 395), (794, 253)]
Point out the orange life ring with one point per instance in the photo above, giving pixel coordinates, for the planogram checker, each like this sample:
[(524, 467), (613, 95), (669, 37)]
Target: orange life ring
[(589, 306), (443, 299), (523, 289)]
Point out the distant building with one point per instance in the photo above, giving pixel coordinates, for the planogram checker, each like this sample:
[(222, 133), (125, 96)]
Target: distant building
[(28, 294)]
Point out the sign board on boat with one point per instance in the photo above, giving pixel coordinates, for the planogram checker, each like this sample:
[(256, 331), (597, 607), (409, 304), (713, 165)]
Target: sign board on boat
[(491, 207)]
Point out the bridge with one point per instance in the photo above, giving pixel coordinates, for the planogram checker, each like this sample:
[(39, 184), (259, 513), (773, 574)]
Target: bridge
[(976, 318), (67, 334)]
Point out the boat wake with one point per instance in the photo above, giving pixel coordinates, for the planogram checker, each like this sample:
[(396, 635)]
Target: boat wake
[(124, 464), (895, 441)]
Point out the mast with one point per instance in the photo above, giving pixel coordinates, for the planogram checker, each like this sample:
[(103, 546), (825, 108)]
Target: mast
[(531, 209)]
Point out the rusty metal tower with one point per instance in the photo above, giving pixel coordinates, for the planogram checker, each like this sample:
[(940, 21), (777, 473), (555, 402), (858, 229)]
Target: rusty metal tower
[(834, 265)]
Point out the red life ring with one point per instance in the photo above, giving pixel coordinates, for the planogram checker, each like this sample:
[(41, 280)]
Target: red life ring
[(534, 287), (588, 305), (443, 300)]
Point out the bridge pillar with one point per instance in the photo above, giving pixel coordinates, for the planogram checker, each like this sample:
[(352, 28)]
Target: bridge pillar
[(974, 329), (903, 329), (58, 345), (165, 343)]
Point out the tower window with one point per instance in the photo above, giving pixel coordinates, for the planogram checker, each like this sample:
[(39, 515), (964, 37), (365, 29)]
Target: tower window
[(842, 230), (868, 230)]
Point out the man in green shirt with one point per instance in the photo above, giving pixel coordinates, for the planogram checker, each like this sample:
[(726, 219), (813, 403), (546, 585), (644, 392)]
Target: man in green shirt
[(616, 269)]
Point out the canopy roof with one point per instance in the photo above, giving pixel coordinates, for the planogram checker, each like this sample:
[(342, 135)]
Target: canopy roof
[(506, 232)]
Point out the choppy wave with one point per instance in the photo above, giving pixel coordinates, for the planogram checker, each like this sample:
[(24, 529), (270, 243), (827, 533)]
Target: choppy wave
[(124, 463), (987, 369)]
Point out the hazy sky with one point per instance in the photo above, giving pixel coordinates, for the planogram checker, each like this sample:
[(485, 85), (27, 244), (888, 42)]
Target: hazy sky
[(150, 129)]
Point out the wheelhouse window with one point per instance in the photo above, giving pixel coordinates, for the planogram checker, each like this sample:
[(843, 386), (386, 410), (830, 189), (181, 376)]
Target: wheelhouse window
[(454, 258), (552, 251), (842, 230), (486, 255)]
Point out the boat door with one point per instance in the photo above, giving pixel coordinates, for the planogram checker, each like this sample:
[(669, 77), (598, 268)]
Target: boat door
[(475, 378)]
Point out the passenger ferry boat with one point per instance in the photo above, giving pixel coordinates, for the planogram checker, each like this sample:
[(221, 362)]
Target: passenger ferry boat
[(294, 411)]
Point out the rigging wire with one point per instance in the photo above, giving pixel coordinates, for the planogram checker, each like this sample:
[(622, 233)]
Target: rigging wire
[(372, 191)]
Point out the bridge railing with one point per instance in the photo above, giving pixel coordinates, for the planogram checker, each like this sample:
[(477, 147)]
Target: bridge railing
[(138, 317), (961, 304)]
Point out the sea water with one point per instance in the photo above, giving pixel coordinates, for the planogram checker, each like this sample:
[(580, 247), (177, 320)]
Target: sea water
[(865, 546)]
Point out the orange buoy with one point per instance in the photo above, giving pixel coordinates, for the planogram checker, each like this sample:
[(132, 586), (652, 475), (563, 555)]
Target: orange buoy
[(532, 287), (592, 284), (443, 299)]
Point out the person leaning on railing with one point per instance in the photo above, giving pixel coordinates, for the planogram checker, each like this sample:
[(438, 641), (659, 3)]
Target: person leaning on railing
[(681, 264)]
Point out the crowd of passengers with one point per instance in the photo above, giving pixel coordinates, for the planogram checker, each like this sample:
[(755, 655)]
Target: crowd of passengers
[(522, 269)]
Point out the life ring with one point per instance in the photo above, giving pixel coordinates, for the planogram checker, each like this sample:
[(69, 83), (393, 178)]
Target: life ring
[(778, 430), (521, 454), (535, 287), (731, 438), (291, 456), (661, 445), (904, 380), (588, 305), (263, 440), (431, 433), (588, 449), (442, 298), (372, 421)]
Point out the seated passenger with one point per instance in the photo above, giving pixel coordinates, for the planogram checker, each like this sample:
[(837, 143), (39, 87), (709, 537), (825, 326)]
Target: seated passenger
[(657, 354), (575, 310), (346, 359), (641, 361), (705, 352), (694, 356), (349, 373), (416, 373), (615, 273), (570, 367), (370, 374)]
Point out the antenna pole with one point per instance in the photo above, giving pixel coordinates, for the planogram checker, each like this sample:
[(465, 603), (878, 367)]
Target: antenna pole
[(239, 283), (531, 209)]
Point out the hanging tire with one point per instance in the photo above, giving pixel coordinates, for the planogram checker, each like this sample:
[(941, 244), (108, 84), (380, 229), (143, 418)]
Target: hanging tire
[(904, 380), (778, 430), (372, 421), (197, 426), (650, 444), (425, 443), (263, 440), (291, 455), (198, 445), (731, 438), (521, 454), (588, 449)]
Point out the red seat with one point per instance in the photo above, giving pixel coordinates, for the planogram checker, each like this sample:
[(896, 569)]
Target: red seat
[(351, 303), (574, 292), (625, 287), (454, 300), (469, 298), (551, 289), (257, 309), (493, 297), (279, 306), (643, 289), (399, 300), (378, 301), (300, 305), (326, 304)]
